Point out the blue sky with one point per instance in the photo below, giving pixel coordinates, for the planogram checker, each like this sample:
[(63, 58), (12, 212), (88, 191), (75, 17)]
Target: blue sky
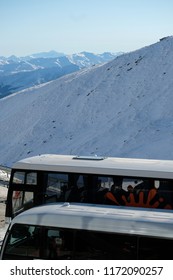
[(71, 26)]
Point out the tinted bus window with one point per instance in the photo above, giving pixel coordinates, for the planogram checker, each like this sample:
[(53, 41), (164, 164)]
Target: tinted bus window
[(23, 243), (56, 184)]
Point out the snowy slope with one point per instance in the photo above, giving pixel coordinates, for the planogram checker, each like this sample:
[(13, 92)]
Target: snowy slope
[(122, 108)]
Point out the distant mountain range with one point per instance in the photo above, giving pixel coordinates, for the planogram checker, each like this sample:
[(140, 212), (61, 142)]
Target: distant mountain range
[(18, 73)]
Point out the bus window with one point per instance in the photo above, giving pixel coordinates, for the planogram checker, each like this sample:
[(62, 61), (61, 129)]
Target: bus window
[(70, 187), (19, 177), (22, 200), (23, 243), (56, 184), (78, 188), (31, 178), (141, 192)]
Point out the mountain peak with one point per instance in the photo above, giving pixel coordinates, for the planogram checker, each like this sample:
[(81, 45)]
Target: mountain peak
[(49, 54)]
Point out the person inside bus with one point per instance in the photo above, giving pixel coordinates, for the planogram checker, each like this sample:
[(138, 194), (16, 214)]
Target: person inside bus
[(130, 188), (56, 244), (114, 196), (100, 193), (145, 186)]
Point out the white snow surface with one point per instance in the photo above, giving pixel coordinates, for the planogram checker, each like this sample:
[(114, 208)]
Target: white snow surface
[(123, 108)]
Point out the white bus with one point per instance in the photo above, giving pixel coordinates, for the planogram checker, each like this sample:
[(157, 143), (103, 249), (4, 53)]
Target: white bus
[(124, 182), (86, 231)]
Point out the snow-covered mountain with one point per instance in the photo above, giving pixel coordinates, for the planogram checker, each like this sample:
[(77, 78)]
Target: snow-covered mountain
[(18, 73), (122, 108)]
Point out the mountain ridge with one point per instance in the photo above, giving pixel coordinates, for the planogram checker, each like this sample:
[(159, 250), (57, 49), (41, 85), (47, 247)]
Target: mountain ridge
[(18, 73)]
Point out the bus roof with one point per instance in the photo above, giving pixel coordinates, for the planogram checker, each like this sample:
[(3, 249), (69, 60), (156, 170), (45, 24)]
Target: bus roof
[(98, 165), (125, 220)]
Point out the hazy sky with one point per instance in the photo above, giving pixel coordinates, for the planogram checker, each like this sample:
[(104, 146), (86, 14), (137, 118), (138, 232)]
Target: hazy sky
[(71, 26)]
